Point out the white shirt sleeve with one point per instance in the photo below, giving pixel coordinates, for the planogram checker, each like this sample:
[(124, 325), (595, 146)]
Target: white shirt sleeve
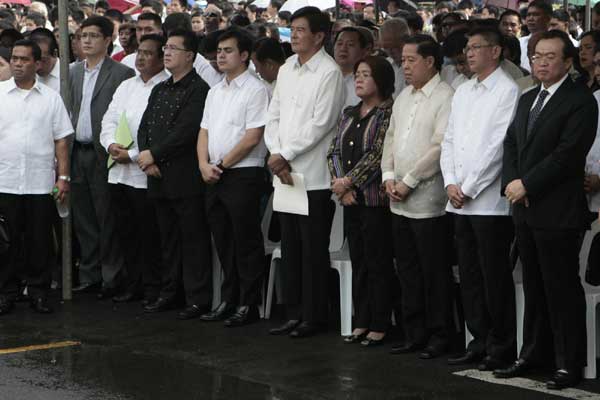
[(447, 155), (206, 115), (256, 113), (110, 121), (271, 135)]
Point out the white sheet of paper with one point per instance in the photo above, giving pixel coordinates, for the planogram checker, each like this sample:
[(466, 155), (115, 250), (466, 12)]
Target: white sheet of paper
[(290, 199)]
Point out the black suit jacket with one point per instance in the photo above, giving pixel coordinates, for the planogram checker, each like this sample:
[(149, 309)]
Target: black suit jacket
[(551, 161)]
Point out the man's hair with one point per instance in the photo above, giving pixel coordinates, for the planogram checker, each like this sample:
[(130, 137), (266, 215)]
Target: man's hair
[(115, 14), (317, 20), (269, 49), (491, 35), (151, 17), (428, 47), (190, 40), (396, 25), (543, 6), (105, 25), (102, 4), (493, 10), (513, 46), (8, 14), (513, 13), (127, 26), (465, 4), (455, 43), (363, 37), (209, 43), (177, 22), (569, 51), (445, 4), (239, 19), (276, 4), (382, 73), (561, 15), (182, 3), (43, 35), (284, 16), (77, 14), (38, 19), (36, 52), (243, 40), (154, 4), (414, 21), (157, 39)]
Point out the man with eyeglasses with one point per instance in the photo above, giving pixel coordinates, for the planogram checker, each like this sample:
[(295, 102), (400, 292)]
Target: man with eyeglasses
[(167, 139), (471, 164), (539, 14), (92, 85), (543, 177)]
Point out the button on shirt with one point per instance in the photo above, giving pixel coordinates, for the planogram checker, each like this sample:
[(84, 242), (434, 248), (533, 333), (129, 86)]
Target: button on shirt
[(303, 114), (130, 97), (84, 123), (473, 143), (411, 151), (30, 122), (230, 110)]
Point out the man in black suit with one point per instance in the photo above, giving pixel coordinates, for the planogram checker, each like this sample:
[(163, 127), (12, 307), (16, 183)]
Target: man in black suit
[(167, 139), (544, 158)]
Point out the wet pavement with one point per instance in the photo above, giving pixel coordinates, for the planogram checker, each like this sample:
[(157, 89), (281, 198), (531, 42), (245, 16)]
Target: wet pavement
[(126, 355)]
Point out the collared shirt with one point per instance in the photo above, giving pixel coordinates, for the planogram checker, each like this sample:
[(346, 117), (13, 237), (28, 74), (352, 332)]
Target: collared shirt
[(84, 123), (129, 61), (53, 78), (230, 110), (473, 143), (350, 97), (551, 90), (592, 163), (524, 42), (30, 122), (303, 114), (411, 151), (131, 98), (399, 81)]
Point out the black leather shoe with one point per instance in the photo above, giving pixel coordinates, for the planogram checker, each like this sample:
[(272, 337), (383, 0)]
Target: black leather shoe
[(368, 342), (40, 306), (431, 352), (149, 299), (193, 311), (518, 368), (126, 297), (86, 288), (244, 315), (161, 304), (6, 306), (407, 348), (106, 293), (285, 328), (305, 329), (563, 379), (221, 313), (470, 357), (491, 364), (355, 338)]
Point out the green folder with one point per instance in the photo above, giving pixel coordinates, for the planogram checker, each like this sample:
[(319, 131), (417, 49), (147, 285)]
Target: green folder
[(122, 137)]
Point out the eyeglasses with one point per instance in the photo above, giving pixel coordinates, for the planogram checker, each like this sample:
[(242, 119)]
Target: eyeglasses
[(173, 48), (540, 57), (91, 35), (476, 47)]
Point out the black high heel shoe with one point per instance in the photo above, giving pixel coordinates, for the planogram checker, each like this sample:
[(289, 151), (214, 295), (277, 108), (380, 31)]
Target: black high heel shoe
[(368, 342), (355, 338)]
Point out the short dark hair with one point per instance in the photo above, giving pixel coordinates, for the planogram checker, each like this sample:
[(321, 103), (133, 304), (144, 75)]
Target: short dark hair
[(594, 34), (491, 35), (115, 14), (317, 20), (455, 43), (105, 25), (561, 15), (158, 39), (38, 19), (190, 40), (414, 21), (44, 35), (36, 52), (151, 17), (276, 4), (493, 10), (182, 3), (513, 13), (269, 49), (102, 4), (569, 51), (209, 44), (382, 73), (284, 16), (243, 39), (239, 19), (428, 47), (465, 4), (154, 4), (543, 6), (513, 46), (177, 22), (362, 39), (77, 14)]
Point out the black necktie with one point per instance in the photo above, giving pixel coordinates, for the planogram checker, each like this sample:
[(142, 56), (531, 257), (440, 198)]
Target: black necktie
[(536, 110)]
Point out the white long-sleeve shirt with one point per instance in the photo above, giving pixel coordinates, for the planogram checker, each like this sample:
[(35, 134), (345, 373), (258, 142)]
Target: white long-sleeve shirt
[(130, 97), (472, 148), (302, 116)]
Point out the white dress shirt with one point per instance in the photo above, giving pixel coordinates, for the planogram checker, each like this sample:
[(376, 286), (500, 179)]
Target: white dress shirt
[(350, 97), (303, 114), (53, 78), (130, 97), (84, 123), (30, 122), (524, 42), (592, 163), (473, 144), (230, 110), (129, 60), (399, 81), (411, 151)]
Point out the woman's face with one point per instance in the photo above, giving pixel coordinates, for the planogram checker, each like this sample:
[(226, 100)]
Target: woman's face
[(364, 83)]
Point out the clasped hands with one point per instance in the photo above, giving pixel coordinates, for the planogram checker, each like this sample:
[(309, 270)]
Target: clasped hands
[(342, 187), (516, 193), (397, 190), (281, 168), (146, 164)]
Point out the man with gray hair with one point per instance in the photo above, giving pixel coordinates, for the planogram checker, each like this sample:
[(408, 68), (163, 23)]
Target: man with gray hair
[(392, 35)]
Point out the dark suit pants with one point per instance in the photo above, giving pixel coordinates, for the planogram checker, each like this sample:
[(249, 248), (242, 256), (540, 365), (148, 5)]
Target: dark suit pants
[(31, 254), (420, 247), (94, 219), (369, 234), (486, 283), (305, 259), (139, 237), (554, 298), (186, 249), (233, 212)]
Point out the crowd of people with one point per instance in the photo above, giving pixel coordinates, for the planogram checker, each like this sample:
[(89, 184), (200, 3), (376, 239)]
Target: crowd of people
[(456, 135)]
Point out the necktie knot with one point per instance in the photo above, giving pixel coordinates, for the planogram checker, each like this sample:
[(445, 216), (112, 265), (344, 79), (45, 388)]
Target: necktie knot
[(543, 95)]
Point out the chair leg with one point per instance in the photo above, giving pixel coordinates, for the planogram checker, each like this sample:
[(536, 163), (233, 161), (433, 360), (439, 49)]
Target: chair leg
[(468, 336), (270, 286), (345, 299), (589, 372), (217, 279), (520, 302)]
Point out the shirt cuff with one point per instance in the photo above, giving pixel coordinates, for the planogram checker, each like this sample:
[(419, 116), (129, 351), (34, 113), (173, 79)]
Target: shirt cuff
[(133, 154), (449, 180), (469, 191), (388, 175), (410, 181), (287, 154)]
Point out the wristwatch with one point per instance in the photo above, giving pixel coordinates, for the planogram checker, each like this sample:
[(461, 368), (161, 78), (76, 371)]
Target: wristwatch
[(65, 178)]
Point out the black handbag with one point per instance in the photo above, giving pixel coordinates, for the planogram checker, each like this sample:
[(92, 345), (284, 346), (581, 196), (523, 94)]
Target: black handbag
[(4, 235), (592, 271)]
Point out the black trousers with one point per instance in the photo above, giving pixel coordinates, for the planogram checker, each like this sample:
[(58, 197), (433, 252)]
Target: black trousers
[(305, 258), (486, 283), (31, 254), (233, 212), (420, 246), (186, 249), (554, 298), (369, 234), (139, 237)]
